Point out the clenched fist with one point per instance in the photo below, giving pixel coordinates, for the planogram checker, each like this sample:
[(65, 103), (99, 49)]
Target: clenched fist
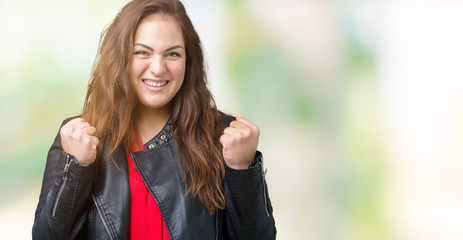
[(77, 139), (239, 142)]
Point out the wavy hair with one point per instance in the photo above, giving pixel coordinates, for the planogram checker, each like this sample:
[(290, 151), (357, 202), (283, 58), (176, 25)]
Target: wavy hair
[(111, 100)]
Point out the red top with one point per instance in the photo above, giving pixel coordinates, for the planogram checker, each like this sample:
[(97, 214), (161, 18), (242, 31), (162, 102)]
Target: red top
[(145, 217)]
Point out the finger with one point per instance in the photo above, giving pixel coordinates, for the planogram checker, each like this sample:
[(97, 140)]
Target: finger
[(233, 132), (91, 142), (81, 125), (237, 124), (95, 141), (239, 129), (249, 124), (224, 140), (74, 121), (90, 130), (69, 127), (245, 121)]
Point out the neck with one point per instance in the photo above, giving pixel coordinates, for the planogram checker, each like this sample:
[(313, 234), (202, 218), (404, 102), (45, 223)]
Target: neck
[(149, 122)]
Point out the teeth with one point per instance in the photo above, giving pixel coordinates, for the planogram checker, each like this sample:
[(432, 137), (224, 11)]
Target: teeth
[(155, 84)]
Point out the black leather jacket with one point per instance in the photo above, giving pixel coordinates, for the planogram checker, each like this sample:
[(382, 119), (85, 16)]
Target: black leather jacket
[(93, 202)]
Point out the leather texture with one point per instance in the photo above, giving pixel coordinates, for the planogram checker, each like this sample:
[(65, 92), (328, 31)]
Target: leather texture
[(93, 202)]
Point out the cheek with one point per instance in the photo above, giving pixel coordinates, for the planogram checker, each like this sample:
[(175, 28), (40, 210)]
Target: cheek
[(178, 69), (132, 70), (136, 69)]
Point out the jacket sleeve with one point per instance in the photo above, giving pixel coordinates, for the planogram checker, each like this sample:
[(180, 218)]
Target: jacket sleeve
[(65, 196), (249, 213)]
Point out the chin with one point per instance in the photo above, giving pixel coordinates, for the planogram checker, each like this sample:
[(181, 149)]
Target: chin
[(155, 104)]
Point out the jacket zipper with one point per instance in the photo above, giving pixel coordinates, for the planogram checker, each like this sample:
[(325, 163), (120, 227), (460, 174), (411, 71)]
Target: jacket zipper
[(263, 187), (63, 184), (101, 216)]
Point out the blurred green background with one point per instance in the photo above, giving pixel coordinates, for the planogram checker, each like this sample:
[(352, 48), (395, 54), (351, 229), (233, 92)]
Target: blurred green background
[(359, 103)]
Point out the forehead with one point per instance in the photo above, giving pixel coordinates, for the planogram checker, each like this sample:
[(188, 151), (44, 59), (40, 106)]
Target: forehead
[(158, 28)]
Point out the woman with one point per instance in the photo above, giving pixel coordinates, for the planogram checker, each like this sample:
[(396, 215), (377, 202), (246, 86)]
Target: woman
[(151, 157)]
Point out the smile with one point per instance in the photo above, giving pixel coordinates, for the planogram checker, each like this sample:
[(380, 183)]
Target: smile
[(155, 84)]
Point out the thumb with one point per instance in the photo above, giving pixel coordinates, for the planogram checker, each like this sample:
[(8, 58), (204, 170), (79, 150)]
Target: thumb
[(90, 131), (239, 117)]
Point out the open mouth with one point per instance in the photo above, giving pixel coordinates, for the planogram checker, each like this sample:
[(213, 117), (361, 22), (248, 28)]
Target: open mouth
[(155, 84)]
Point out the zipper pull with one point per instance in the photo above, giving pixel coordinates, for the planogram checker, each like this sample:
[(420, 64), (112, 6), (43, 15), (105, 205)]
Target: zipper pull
[(262, 168), (66, 167), (61, 187)]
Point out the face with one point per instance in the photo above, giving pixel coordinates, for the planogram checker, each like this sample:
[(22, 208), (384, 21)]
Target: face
[(157, 67)]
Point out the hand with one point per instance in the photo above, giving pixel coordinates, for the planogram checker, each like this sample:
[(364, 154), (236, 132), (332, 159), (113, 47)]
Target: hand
[(77, 139), (239, 142)]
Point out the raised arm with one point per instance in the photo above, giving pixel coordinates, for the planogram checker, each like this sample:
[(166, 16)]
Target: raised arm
[(66, 188), (249, 213)]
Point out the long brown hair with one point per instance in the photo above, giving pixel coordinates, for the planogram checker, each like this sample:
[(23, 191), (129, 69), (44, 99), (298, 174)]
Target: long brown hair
[(111, 100)]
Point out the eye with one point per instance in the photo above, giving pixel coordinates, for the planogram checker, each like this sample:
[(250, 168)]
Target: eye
[(173, 54), (141, 52)]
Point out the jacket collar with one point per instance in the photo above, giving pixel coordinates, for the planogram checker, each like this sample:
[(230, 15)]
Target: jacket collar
[(163, 137)]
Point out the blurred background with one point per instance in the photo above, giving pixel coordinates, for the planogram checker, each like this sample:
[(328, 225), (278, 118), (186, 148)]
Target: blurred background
[(360, 105)]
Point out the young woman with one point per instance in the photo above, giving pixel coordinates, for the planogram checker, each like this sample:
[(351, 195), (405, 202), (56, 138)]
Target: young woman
[(151, 157)]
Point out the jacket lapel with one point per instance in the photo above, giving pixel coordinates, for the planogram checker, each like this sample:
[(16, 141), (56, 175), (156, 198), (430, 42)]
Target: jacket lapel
[(184, 216), (112, 194)]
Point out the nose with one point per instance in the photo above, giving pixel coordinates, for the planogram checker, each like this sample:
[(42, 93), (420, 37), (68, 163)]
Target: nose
[(157, 65)]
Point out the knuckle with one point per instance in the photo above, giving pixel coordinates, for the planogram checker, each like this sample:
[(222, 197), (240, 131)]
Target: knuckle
[(96, 142), (229, 139), (237, 137), (64, 130), (225, 139), (228, 130), (71, 129), (77, 135), (247, 132)]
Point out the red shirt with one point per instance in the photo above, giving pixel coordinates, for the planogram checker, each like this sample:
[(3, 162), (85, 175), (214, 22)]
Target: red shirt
[(145, 217)]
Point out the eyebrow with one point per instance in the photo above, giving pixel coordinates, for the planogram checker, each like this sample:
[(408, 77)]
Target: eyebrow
[(151, 49)]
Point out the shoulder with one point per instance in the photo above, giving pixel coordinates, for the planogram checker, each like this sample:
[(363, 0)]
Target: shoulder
[(227, 119)]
